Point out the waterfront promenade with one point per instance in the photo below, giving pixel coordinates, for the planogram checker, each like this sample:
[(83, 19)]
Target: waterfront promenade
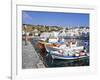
[(30, 58)]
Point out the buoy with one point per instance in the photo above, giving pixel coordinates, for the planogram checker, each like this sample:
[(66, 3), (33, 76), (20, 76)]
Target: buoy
[(76, 54), (82, 53)]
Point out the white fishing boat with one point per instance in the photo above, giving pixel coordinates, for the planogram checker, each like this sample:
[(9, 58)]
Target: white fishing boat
[(65, 52)]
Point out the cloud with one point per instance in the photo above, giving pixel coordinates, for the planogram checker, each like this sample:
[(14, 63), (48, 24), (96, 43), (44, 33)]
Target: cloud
[(26, 17)]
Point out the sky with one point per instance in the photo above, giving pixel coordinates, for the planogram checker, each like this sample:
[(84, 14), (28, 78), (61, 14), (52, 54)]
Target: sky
[(55, 18)]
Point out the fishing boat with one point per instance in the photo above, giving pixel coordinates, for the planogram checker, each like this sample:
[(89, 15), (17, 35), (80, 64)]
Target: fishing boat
[(65, 52), (58, 48), (46, 38)]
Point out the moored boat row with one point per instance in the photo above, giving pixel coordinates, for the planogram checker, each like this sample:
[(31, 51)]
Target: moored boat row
[(62, 49)]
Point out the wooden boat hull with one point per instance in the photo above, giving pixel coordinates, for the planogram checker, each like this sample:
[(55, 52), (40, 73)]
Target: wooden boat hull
[(42, 49)]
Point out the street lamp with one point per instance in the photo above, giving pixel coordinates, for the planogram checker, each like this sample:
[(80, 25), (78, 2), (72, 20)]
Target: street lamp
[(25, 35)]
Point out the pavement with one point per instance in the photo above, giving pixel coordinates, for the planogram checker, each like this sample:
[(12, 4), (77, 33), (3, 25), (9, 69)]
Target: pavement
[(30, 58)]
